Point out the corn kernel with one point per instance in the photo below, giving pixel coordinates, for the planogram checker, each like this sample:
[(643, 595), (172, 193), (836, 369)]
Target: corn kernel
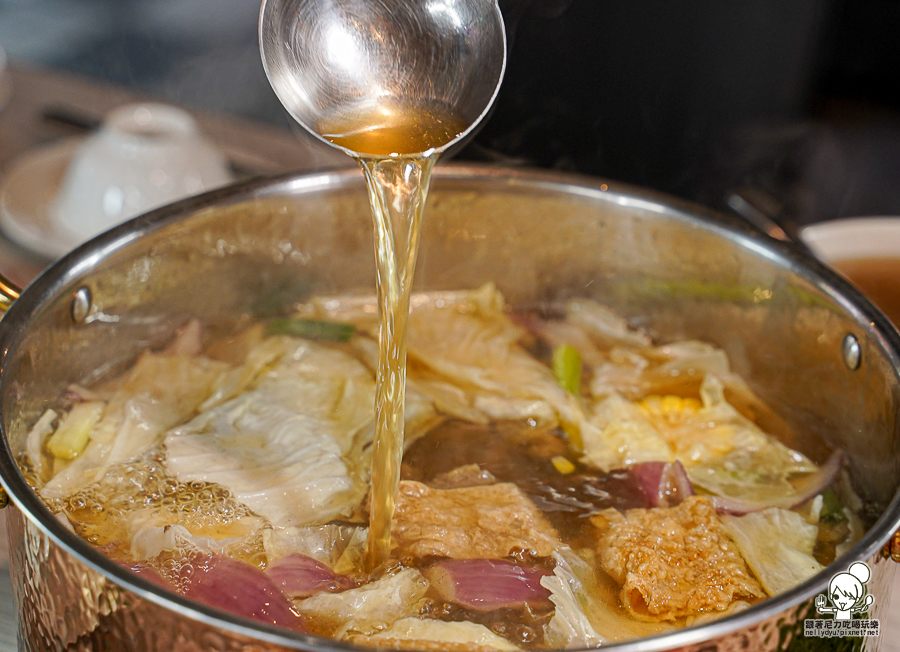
[(563, 465), (669, 406), (692, 404)]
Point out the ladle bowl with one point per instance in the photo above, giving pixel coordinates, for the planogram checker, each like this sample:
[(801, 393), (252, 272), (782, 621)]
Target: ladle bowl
[(328, 56)]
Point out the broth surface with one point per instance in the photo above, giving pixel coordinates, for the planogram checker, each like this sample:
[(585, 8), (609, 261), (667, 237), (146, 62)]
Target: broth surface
[(392, 128)]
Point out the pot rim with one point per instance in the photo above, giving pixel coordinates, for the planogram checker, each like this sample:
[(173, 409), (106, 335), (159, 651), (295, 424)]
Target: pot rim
[(80, 261)]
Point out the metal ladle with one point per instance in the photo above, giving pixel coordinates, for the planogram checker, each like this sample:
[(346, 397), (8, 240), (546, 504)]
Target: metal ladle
[(323, 56), (377, 62)]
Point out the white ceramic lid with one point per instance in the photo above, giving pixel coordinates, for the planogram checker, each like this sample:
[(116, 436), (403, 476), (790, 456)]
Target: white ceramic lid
[(858, 237)]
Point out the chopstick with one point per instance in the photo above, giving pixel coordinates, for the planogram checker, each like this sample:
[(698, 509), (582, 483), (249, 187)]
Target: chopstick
[(67, 117)]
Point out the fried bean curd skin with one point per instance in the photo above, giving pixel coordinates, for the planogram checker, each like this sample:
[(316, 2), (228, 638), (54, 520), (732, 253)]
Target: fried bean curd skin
[(674, 562), (491, 521)]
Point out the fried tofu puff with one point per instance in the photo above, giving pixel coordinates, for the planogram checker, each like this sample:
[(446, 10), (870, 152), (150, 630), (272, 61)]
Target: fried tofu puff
[(489, 522), (673, 562)]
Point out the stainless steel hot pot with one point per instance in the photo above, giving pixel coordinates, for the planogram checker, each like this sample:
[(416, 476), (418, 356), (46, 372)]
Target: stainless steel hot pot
[(818, 352)]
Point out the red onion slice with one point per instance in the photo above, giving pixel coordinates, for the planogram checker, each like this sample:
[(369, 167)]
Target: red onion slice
[(807, 488), (488, 584), (680, 481), (241, 589), (188, 340), (664, 484), (649, 477), (299, 576), (78, 394), (148, 573)]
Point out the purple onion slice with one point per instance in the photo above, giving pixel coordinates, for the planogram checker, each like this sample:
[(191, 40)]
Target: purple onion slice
[(241, 589), (148, 573), (299, 576), (664, 484), (488, 584), (681, 483), (188, 340)]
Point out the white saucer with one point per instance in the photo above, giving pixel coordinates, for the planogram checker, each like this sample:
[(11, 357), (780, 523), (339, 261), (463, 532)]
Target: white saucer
[(27, 192)]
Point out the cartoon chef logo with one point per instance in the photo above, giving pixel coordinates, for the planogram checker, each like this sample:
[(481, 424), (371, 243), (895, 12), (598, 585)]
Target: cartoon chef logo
[(847, 593)]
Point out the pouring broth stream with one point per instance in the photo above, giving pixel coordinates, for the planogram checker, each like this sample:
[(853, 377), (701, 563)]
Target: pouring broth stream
[(395, 147)]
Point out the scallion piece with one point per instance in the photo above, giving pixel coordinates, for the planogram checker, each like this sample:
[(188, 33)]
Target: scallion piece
[(311, 329), (832, 512), (567, 368)]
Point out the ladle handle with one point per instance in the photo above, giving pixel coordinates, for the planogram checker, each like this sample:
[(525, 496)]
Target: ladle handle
[(760, 210), (8, 293)]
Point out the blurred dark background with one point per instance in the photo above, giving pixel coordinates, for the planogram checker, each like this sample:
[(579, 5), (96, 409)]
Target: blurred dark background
[(796, 99)]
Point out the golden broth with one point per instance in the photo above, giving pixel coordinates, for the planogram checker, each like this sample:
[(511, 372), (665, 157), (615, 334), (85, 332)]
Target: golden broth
[(395, 143)]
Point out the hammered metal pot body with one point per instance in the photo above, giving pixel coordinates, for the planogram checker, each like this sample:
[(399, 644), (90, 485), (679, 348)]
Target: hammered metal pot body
[(670, 267)]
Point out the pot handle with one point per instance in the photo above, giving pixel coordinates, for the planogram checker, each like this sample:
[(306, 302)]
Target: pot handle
[(891, 549), (8, 293)]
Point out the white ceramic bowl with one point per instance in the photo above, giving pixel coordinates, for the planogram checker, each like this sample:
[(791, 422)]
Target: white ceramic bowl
[(858, 237), (144, 156)]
